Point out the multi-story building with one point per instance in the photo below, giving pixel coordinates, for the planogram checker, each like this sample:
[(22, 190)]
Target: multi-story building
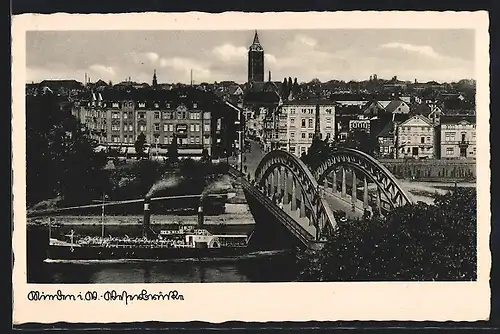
[(415, 138), (457, 137), (197, 120), (299, 121)]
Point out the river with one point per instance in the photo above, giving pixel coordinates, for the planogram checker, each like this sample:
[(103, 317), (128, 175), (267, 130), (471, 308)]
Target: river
[(270, 259)]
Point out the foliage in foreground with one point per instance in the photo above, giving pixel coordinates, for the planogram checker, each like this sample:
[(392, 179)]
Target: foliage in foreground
[(416, 242)]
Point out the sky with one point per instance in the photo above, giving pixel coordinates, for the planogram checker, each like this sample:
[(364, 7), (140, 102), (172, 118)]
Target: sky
[(355, 54)]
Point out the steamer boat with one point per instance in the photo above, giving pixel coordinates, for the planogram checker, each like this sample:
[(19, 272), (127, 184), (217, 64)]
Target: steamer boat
[(185, 242)]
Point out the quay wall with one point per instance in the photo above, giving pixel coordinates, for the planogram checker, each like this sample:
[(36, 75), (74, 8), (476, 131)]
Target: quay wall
[(432, 169)]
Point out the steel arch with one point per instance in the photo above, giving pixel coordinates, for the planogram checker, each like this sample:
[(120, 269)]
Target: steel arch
[(322, 214), (369, 166)]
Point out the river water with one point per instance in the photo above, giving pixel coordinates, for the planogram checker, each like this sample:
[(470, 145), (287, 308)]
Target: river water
[(270, 259)]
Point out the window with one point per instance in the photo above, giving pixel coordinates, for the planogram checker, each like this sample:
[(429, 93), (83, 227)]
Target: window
[(292, 122), (197, 140), (206, 115), (428, 139), (206, 127), (206, 140), (125, 127), (449, 136), (302, 150), (142, 105), (115, 115), (191, 140), (422, 140), (157, 105), (194, 127), (303, 123), (130, 127), (310, 135), (142, 128), (115, 105), (115, 139), (449, 151), (157, 127), (141, 115), (157, 115), (329, 111), (292, 134), (292, 149), (166, 140), (125, 115), (165, 127), (194, 115), (115, 127), (167, 105), (310, 123), (303, 135), (463, 137), (195, 105)]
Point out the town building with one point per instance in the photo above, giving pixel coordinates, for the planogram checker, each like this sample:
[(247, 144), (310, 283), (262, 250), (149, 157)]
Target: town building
[(255, 61), (197, 120), (385, 141), (299, 121), (457, 137), (415, 138)]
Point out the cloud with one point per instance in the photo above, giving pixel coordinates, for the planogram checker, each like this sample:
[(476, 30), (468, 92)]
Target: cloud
[(420, 49), (142, 58), (305, 41), (230, 52), (185, 65), (105, 71)]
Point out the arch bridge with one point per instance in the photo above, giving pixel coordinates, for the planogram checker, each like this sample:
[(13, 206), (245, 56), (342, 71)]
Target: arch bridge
[(347, 183)]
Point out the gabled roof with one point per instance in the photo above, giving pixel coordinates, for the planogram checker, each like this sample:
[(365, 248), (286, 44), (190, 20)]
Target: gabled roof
[(421, 109), (455, 119), (387, 131), (420, 117), (393, 106)]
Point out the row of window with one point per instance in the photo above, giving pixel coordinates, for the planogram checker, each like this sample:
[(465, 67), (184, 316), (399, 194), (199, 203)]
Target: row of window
[(140, 105), (450, 136), (423, 140), (166, 127), (309, 111), (166, 140), (193, 115)]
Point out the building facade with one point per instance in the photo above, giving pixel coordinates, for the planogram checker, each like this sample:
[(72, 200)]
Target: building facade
[(457, 137), (416, 138), (256, 61), (300, 120), (196, 122)]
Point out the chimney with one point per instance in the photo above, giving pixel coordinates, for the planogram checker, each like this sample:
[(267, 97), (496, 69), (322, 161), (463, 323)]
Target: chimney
[(147, 217), (269, 76), (200, 214)]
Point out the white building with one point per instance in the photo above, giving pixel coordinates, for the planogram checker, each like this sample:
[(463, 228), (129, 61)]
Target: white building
[(416, 138), (298, 124)]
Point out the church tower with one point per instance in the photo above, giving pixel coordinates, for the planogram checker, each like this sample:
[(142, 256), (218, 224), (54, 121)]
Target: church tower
[(155, 82), (255, 61)]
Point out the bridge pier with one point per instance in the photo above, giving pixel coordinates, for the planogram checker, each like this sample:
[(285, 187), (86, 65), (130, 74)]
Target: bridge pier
[(354, 189), (334, 183), (343, 193), (366, 205), (294, 195)]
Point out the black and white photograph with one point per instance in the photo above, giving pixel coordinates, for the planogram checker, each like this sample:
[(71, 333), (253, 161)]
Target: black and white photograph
[(254, 154)]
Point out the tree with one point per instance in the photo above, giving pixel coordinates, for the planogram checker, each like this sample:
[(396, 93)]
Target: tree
[(416, 242), (140, 145), (317, 152), (60, 155)]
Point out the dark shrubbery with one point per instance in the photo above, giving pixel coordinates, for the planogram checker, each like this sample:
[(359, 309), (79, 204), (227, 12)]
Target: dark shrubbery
[(416, 242)]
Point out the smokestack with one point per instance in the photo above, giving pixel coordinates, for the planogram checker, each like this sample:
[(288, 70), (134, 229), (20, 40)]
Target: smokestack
[(147, 216), (201, 217)]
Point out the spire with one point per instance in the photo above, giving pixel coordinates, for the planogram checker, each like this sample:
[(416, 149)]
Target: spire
[(155, 81), (256, 38), (269, 76)]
